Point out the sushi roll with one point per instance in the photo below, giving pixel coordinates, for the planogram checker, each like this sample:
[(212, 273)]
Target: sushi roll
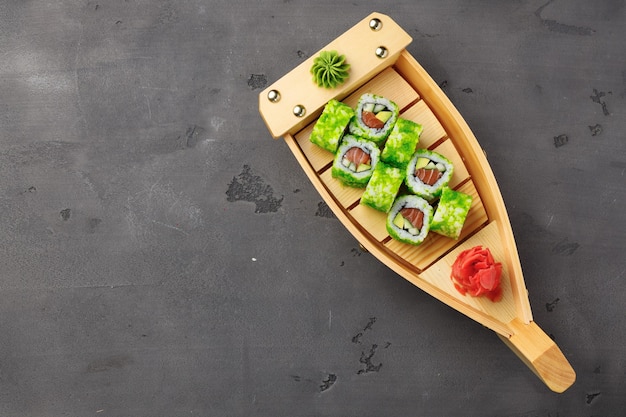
[(331, 125), (451, 213), (382, 188), (355, 161), (375, 117), (427, 173), (401, 143), (409, 219)]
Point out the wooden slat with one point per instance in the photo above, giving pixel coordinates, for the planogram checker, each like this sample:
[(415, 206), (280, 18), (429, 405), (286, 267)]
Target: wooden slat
[(372, 220), (346, 196), (388, 84), (435, 245), (459, 174), (433, 131), (318, 157)]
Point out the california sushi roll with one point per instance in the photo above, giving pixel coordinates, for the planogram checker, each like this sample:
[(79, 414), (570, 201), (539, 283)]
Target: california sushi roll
[(409, 219), (331, 125), (427, 173), (382, 188), (451, 213), (375, 117), (355, 161), (401, 143)]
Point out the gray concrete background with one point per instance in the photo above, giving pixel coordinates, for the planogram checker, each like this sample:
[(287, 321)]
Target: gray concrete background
[(161, 255)]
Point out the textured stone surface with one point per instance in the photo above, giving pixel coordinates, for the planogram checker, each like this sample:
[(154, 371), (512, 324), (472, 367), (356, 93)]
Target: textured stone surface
[(161, 255)]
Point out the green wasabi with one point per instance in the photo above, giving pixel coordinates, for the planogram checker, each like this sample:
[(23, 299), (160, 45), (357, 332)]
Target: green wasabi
[(329, 69)]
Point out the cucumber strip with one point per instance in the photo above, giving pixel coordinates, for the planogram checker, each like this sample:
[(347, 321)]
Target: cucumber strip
[(379, 107)]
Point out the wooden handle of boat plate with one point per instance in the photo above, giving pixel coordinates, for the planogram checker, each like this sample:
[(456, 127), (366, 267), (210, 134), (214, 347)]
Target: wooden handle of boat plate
[(539, 352)]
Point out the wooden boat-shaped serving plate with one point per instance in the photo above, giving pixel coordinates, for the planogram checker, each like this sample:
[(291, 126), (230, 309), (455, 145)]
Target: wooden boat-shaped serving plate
[(380, 64)]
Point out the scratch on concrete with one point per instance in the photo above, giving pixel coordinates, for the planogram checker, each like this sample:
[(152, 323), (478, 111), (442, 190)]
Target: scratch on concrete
[(555, 26), (169, 226)]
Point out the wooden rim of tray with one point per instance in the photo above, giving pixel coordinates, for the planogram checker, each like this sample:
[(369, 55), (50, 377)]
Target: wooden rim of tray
[(399, 77)]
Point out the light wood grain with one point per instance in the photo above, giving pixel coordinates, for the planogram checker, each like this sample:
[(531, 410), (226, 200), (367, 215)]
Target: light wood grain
[(346, 196), (539, 352), (432, 129)]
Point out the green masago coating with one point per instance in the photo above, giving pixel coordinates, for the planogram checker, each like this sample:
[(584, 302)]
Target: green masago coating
[(451, 213), (331, 125), (401, 143), (329, 69), (383, 187)]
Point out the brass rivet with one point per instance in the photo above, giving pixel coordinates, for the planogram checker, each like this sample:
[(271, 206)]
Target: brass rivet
[(381, 52), (376, 24), (299, 110), (273, 96)]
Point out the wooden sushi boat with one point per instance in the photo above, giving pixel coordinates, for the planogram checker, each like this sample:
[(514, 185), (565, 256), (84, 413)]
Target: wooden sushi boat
[(380, 64)]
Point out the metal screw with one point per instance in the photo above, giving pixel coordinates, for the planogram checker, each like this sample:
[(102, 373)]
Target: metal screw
[(376, 24), (273, 96), (381, 52), (299, 110)]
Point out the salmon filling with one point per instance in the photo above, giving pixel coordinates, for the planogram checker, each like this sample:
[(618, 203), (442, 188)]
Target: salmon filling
[(428, 171), (370, 120), (375, 115), (414, 216), (410, 219), (357, 159), (428, 176)]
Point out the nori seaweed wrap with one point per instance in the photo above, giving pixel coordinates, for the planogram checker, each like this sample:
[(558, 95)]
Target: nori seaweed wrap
[(383, 187), (409, 219), (375, 117), (355, 161), (427, 173), (401, 143), (331, 125), (451, 213)]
